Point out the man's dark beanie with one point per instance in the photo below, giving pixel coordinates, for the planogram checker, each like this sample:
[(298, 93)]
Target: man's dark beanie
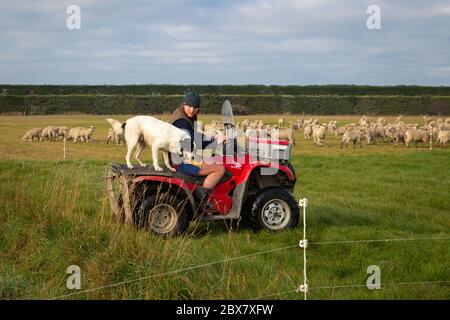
[(192, 99)]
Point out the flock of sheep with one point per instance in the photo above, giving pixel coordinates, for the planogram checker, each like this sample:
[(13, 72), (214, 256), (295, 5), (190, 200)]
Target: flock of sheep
[(52, 133), (77, 134), (353, 133)]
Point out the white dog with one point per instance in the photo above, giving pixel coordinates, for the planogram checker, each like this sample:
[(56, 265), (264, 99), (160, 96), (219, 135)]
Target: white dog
[(141, 131)]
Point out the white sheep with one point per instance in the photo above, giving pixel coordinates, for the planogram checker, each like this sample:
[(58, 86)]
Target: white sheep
[(81, 134), (416, 135), (63, 131), (397, 135), (307, 131), (119, 134), (50, 133), (427, 119), (74, 135), (33, 133), (382, 121), (87, 133), (443, 138), (339, 131), (111, 136), (354, 136), (283, 134), (375, 132), (319, 134)]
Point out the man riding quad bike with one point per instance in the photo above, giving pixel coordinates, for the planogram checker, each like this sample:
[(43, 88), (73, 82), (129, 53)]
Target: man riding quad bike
[(257, 186)]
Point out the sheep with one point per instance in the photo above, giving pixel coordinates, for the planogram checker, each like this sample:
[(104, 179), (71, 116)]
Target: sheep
[(249, 132), (352, 135), (280, 122), (364, 121), (87, 133), (262, 133), (319, 134), (50, 133), (81, 134), (63, 131), (416, 135), (309, 121), (253, 124), (73, 134), (208, 127), (382, 121), (119, 134), (294, 125), (397, 135), (443, 138), (447, 121), (283, 134), (388, 132), (375, 132), (332, 127), (111, 136), (427, 119), (212, 132), (33, 133), (307, 131), (339, 131)]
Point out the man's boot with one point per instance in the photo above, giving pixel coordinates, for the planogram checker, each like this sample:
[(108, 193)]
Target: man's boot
[(201, 196)]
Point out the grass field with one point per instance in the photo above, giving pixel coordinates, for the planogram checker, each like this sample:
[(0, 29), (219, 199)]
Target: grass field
[(53, 214)]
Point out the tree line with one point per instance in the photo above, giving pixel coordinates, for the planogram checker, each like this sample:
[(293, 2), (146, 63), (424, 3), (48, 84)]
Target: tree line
[(166, 89), (37, 104)]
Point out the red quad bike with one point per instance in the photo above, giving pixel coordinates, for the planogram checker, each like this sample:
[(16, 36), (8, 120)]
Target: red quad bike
[(257, 187)]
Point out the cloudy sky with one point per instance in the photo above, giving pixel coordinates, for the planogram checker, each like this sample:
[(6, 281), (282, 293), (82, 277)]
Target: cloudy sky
[(225, 42)]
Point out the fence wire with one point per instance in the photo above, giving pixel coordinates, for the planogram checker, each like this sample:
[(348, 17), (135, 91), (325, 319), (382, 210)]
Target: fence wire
[(172, 272), (353, 286)]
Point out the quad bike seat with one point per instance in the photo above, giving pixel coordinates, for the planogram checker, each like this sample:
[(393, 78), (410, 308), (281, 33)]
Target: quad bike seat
[(150, 171)]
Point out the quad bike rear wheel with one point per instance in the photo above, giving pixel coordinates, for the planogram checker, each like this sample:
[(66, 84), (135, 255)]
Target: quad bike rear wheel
[(275, 209), (164, 213)]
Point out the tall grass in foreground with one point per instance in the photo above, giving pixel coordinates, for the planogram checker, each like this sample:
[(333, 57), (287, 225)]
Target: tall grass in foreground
[(55, 214)]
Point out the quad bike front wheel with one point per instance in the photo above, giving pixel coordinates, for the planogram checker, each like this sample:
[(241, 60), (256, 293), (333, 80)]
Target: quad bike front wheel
[(275, 209)]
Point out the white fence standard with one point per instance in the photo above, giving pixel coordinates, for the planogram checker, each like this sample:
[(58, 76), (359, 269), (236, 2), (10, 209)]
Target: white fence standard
[(303, 203)]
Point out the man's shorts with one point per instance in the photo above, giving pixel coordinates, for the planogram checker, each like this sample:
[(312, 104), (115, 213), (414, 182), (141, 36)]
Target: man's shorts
[(188, 169)]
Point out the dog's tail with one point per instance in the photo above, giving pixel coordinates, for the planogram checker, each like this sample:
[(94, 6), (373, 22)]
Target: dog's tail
[(113, 122)]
